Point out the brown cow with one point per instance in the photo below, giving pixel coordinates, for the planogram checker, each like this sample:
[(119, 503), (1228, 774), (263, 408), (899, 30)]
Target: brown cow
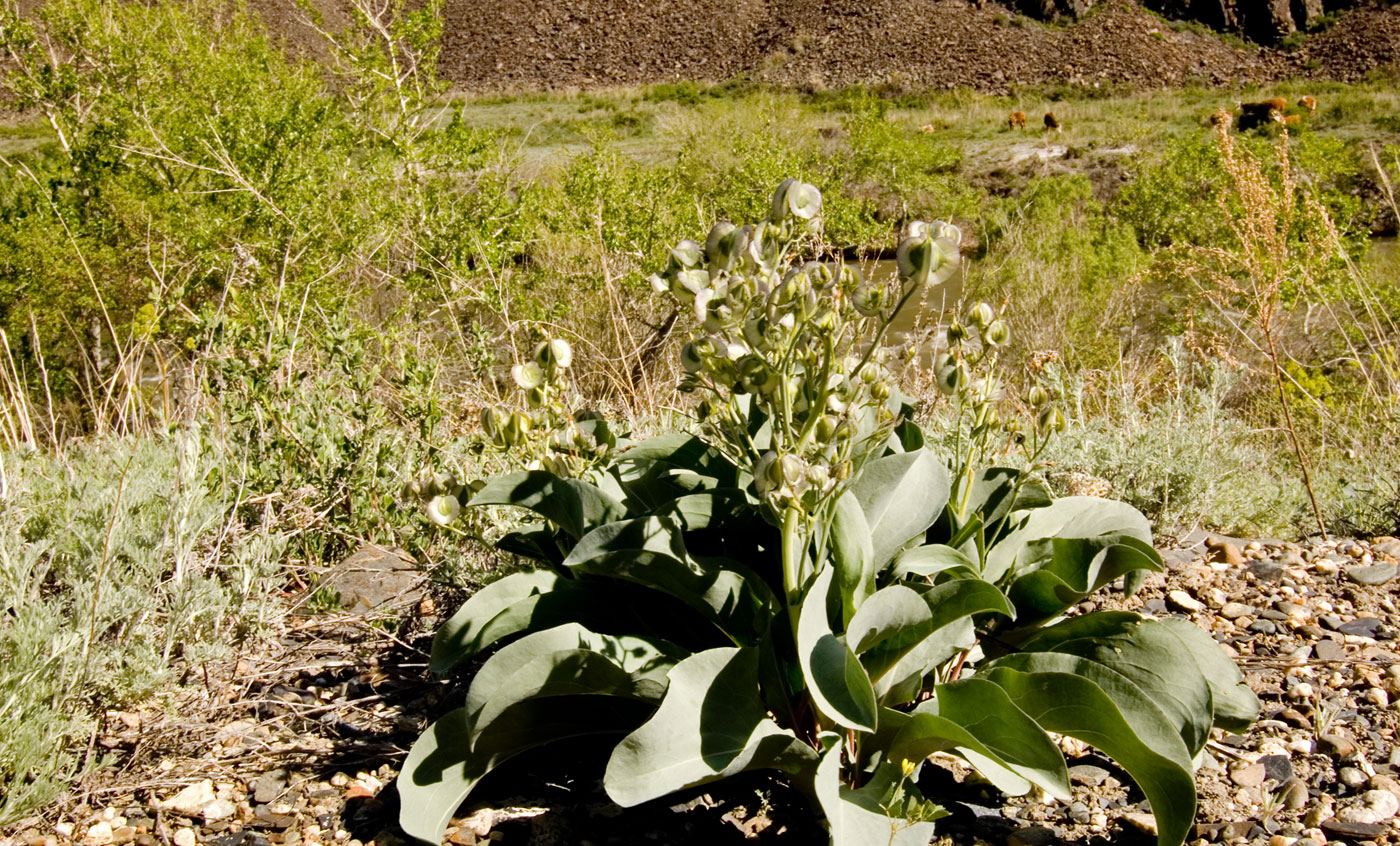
[(1052, 123), (1278, 104), (1292, 120), (1255, 115), (1016, 120), (1308, 104)]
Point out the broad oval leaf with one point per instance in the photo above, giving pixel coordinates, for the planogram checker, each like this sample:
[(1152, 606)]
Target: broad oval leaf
[(1055, 573), (840, 688), (487, 616), (901, 495), (1084, 699), (650, 551), (931, 560), (894, 621), (711, 724), (1067, 517), (576, 506), (1149, 655), (1234, 705)]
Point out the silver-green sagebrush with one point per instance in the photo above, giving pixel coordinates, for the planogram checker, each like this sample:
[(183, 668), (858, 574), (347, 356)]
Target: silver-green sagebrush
[(801, 585)]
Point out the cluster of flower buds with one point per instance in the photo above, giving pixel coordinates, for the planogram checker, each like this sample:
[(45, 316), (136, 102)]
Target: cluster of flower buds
[(966, 371), (543, 425), (797, 339), (440, 494)]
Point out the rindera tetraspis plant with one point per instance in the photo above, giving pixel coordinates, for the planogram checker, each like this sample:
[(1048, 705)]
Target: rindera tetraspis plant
[(803, 587)]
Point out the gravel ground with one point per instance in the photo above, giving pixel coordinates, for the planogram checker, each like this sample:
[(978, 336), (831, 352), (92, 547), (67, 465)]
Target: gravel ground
[(295, 741)]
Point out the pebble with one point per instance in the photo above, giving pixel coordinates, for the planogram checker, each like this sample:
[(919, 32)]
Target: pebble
[(1381, 802), (1145, 823), (1234, 610), (1294, 794), (1183, 601), (1361, 627), (1353, 830), (219, 809), (1378, 697), (1336, 746), (1276, 768), (100, 833), (1329, 650), (190, 802), (1087, 774), (1251, 775), (1352, 777), (1267, 571), (1224, 551), (184, 837), (1373, 575)]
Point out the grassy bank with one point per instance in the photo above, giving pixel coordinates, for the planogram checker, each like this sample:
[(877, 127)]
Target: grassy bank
[(232, 335)]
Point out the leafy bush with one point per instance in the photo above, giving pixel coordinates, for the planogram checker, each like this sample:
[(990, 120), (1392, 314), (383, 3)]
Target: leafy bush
[(803, 586)]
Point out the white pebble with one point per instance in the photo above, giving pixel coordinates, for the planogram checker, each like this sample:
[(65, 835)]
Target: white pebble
[(1302, 690), (1378, 697)]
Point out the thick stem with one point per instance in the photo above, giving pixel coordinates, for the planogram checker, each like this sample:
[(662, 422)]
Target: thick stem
[(793, 543)]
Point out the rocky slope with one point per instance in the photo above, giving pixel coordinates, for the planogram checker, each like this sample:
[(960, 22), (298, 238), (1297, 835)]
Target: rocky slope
[(514, 44)]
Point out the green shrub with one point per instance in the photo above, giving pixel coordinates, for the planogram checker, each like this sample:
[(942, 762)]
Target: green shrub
[(803, 586)]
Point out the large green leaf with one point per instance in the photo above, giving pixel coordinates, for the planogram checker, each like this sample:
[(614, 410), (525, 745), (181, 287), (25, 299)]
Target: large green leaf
[(711, 724), (1149, 655), (931, 560), (901, 495), (861, 817), (660, 469), (576, 506), (1234, 705), (650, 551), (1053, 574), (519, 602), (502, 678), (978, 718), (951, 606), (840, 688), (1086, 700), (853, 554), (1067, 517), (893, 621), (440, 772)]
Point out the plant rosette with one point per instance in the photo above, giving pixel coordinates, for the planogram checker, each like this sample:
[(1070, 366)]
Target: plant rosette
[(804, 586)]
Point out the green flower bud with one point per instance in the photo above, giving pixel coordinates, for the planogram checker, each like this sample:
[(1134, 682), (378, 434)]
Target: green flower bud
[(556, 353), (722, 245), (516, 428), (489, 421), (1050, 419), (996, 333), (528, 375), (755, 375), (690, 358), (956, 334), (767, 475), (914, 259), (687, 254), (780, 207), (1037, 397), (444, 509), (949, 375), (981, 315), (412, 489)]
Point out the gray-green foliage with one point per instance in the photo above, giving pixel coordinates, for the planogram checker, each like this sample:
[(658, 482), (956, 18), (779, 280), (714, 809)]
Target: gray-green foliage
[(805, 587), (109, 571)]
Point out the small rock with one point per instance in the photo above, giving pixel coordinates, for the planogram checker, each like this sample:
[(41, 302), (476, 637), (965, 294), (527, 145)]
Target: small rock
[(1301, 690), (1361, 627), (100, 833), (1265, 627), (268, 786), (1276, 768), (1375, 574), (219, 809), (1382, 802), (190, 802), (1267, 571), (1353, 830), (1224, 551), (1302, 746), (1329, 650), (1234, 610), (1145, 823), (1087, 774), (1294, 794), (1381, 781), (184, 837), (1183, 601), (1251, 775), (1378, 697), (1336, 745), (1079, 812), (1351, 777)]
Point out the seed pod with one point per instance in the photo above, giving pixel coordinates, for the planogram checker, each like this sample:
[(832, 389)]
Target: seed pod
[(804, 201), (444, 509), (690, 358), (412, 489), (755, 375), (779, 211), (516, 428), (1037, 397), (869, 300), (767, 476), (489, 421), (950, 375), (721, 247), (914, 259), (957, 333)]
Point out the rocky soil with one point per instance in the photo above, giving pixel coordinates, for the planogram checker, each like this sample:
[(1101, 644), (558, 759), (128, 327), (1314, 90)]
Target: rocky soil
[(295, 740), (506, 45)]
